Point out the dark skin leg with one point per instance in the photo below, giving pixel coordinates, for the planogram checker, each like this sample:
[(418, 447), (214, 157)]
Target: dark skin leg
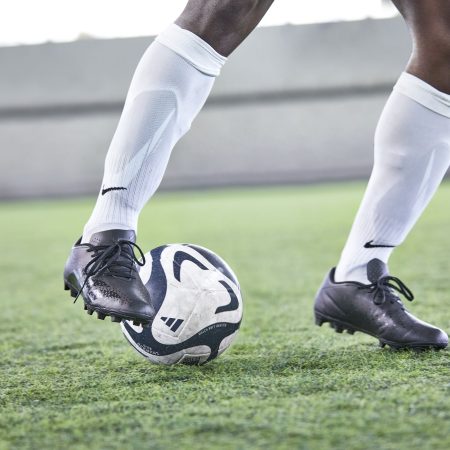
[(223, 24), (429, 25)]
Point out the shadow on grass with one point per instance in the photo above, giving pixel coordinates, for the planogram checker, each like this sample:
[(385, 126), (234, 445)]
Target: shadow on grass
[(247, 362)]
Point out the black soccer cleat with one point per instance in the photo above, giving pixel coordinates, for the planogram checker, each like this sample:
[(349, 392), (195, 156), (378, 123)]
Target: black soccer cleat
[(105, 273), (375, 309)]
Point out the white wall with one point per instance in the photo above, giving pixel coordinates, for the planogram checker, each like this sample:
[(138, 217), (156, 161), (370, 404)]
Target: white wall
[(293, 104)]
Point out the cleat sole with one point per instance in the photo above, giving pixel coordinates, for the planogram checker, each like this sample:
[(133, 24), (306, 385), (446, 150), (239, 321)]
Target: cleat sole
[(73, 291), (335, 325), (339, 326), (101, 314)]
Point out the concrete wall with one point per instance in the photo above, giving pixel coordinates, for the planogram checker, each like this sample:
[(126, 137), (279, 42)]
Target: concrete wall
[(293, 104)]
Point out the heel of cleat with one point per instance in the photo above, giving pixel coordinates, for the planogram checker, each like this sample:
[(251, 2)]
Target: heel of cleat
[(340, 327), (335, 325)]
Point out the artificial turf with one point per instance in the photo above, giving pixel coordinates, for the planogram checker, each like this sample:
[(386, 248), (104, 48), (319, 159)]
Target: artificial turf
[(68, 380)]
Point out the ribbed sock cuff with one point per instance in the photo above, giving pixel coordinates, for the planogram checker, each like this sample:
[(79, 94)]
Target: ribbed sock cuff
[(423, 93), (193, 49)]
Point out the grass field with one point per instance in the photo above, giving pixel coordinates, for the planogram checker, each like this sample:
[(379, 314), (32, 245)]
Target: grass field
[(68, 380)]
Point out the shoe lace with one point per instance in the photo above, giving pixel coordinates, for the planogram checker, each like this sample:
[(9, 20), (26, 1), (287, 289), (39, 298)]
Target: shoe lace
[(384, 289), (117, 260)]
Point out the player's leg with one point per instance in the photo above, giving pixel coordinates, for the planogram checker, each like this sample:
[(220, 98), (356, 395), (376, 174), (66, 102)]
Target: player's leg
[(170, 85), (412, 154), (429, 24)]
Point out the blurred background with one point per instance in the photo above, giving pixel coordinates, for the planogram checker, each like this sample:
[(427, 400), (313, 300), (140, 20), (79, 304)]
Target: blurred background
[(297, 102)]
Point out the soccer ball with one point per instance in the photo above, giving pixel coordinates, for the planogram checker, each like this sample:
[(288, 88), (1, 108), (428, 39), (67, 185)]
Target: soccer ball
[(198, 302)]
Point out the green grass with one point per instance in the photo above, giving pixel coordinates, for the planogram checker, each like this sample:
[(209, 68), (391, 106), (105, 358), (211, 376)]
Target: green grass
[(68, 380)]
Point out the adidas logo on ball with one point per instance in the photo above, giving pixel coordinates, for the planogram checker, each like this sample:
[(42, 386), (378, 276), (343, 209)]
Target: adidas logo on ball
[(172, 323)]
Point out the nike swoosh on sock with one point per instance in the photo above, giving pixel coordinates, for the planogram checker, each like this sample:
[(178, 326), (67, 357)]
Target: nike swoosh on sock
[(371, 245)]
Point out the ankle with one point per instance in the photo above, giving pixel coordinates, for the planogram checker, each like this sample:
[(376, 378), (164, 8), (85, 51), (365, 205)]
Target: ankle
[(355, 273)]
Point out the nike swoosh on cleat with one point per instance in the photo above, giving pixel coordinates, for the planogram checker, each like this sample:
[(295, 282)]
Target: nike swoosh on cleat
[(104, 191), (370, 245)]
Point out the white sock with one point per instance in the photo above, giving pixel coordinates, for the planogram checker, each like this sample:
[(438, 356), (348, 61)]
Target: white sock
[(170, 86), (412, 154)]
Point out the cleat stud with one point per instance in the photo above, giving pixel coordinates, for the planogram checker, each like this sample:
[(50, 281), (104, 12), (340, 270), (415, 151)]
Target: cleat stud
[(101, 316), (382, 344), (66, 287), (336, 327), (115, 319), (73, 293), (350, 331), (136, 323), (90, 311), (85, 308), (319, 320)]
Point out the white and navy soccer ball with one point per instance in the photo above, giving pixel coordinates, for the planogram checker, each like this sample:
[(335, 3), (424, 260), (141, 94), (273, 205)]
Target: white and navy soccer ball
[(198, 306)]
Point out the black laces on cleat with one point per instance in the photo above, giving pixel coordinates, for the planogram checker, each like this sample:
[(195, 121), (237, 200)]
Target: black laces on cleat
[(117, 260), (384, 289)]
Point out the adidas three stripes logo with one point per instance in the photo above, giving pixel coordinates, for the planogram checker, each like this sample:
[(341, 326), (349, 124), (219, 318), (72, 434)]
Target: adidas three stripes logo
[(172, 323)]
